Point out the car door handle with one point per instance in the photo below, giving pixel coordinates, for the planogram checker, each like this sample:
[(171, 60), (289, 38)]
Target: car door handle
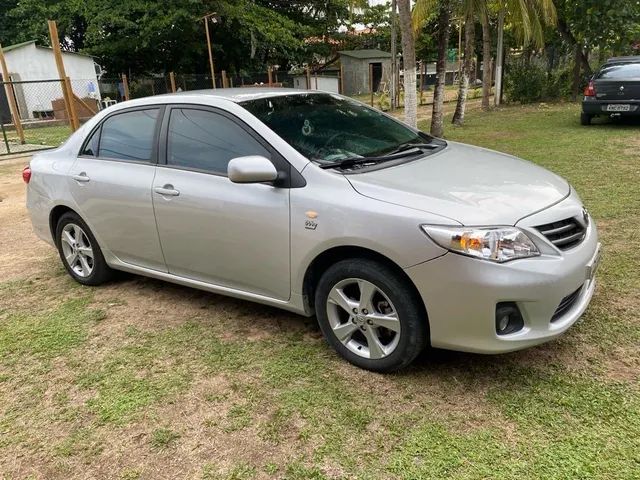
[(167, 190), (81, 177)]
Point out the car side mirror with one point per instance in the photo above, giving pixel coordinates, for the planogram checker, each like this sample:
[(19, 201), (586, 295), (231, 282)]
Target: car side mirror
[(251, 169)]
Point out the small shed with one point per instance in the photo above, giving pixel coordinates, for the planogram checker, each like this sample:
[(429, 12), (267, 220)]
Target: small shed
[(35, 65), (355, 69)]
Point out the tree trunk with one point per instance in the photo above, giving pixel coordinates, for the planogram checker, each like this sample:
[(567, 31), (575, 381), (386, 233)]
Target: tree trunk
[(467, 68), (444, 17), (499, 58), (576, 73), (409, 63), (486, 61), (394, 58), (568, 36)]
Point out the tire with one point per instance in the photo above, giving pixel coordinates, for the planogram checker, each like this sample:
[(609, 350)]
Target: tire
[(585, 119), (87, 265), (387, 300)]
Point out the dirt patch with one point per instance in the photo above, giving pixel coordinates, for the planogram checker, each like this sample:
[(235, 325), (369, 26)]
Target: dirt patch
[(21, 253)]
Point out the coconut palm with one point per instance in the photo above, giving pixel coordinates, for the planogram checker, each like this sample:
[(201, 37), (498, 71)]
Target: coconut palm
[(421, 11), (527, 17), (470, 8), (409, 63)]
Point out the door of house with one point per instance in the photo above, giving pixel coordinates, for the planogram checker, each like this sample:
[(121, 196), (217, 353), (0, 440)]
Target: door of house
[(376, 69)]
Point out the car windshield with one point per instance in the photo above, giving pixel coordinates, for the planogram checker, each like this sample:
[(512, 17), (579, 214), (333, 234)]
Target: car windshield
[(329, 128), (620, 71)]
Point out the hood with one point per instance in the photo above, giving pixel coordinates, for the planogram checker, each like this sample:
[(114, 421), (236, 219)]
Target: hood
[(471, 185)]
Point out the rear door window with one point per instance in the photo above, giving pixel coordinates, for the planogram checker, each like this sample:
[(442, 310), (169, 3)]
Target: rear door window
[(129, 136), (621, 71)]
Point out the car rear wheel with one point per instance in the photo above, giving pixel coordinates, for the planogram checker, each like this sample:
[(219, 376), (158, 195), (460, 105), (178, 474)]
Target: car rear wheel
[(585, 119), (370, 316), (80, 252)]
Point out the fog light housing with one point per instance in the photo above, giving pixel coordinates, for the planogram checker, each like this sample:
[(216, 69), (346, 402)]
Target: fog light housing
[(508, 318)]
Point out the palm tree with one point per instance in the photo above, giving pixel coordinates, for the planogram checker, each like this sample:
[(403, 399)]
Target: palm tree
[(420, 12), (409, 63), (529, 18), (486, 59), (470, 8)]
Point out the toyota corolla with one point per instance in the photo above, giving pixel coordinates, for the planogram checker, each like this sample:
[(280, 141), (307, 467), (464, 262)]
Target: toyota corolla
[(318, 204)]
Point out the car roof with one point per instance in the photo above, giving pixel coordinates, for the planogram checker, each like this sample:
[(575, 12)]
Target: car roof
[(629, 59), (245, 93), (235, 95)]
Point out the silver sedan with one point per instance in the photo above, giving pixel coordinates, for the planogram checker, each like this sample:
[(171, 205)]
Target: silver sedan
[(317, 204)]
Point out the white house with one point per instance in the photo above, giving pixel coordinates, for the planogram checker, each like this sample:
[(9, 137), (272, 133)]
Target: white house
[(28, 62)]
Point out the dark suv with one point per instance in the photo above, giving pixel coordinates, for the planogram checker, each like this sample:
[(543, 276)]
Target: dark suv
[(613, 90)]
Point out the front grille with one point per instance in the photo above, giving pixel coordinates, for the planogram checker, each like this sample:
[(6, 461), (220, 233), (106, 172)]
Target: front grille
[(566, 304), (564, 234)]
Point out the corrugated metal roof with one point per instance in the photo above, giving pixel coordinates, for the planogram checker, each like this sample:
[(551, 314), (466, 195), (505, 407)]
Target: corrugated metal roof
[(365, 54), (17, 45), (24, 44)]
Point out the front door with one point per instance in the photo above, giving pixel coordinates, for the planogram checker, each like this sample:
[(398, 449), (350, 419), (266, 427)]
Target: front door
[(213, 230), (376, 70), (111, 184)]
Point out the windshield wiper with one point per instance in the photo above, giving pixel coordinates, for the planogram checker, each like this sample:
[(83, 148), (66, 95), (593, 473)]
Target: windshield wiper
[(409, 146), (402, 151)]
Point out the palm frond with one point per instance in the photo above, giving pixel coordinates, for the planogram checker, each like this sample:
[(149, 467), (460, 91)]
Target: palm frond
[(422, 10)]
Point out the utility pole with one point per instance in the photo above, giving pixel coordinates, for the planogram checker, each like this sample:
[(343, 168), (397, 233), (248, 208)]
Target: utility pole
[(206, 31), (392, 89)]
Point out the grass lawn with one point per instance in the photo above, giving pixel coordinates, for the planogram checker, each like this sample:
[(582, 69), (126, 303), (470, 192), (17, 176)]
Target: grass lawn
[(142, 379), (52, 136)]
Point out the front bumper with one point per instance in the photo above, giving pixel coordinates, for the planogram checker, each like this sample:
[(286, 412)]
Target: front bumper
[(461, 293)]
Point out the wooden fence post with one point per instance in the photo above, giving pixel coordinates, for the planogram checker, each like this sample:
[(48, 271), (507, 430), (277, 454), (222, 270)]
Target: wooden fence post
[(13, 106), (66, 84), (72, 104), (341, 86), (371, 81), (125, 86), (172, 80), (308, 78), (224, 79)]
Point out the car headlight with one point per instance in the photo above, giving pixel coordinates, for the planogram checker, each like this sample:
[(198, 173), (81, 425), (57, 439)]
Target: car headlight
[(497, 244)]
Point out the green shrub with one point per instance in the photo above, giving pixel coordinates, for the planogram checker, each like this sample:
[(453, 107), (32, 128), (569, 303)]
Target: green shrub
[(531, 83), (525, 83)]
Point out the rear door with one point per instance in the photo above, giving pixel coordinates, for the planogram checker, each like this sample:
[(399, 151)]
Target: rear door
[(111, 184), (618, 82)]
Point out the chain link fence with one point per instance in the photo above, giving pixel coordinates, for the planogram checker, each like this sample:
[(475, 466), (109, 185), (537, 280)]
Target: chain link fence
[(43, 118)]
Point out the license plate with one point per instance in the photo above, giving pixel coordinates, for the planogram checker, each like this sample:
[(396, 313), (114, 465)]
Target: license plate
[(593, 265), (618, 107)]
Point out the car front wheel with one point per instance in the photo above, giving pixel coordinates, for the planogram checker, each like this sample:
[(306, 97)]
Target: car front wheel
[(80, 252), (370, 316)]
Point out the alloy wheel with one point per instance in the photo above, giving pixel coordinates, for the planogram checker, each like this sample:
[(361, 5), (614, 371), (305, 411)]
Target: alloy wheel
[(77, 250), (363, 318)]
